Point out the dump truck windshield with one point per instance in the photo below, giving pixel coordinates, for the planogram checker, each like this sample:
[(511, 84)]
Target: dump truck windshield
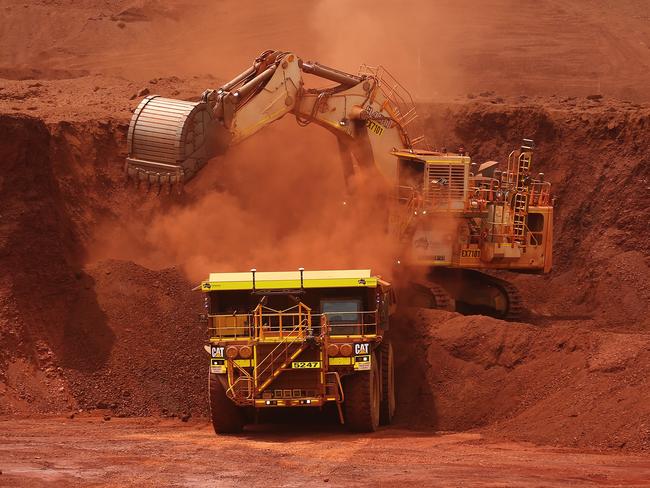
[(342, 311)]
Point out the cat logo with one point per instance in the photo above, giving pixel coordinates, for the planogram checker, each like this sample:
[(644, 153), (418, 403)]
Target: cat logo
[(217, 351), (361, 348)]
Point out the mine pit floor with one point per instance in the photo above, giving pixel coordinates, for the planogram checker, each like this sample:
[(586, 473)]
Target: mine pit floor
[(91, 451)]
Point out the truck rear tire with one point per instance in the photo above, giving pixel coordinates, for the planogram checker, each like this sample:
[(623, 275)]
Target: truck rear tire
[(387, 408), (227, 418), (362, 399)]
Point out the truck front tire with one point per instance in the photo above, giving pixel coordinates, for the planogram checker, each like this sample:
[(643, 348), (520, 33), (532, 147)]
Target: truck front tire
[(362, 399), (227, 418), (387, 408)]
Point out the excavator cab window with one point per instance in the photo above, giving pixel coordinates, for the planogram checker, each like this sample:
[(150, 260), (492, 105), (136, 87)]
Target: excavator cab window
[(410, 178)]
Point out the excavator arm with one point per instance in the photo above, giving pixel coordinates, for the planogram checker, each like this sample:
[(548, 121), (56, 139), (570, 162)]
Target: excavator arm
[(169, 140)]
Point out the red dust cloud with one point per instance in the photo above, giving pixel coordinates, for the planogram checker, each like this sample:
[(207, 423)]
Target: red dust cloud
[(277, 201)]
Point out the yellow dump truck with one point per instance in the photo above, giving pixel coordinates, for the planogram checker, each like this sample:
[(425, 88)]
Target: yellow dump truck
[(299, 339)]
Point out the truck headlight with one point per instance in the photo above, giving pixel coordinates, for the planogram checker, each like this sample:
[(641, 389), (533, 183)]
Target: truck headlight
[(245, 352), (345, 349), (333, 350)]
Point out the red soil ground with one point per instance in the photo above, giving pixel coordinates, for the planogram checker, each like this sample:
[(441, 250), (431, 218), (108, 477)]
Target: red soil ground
[(153, 452), (95, 319)]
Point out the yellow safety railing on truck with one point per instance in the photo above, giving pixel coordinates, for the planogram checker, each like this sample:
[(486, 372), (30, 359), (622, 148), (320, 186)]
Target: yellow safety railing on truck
[(294, 322), (360, 323)]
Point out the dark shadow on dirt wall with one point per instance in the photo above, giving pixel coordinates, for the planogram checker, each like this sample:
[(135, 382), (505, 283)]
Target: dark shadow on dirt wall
[(41, 255)]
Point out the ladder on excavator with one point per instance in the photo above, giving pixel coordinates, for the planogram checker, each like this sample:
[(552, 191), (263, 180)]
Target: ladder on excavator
[(518, 176), (402, 107), (519, 220)]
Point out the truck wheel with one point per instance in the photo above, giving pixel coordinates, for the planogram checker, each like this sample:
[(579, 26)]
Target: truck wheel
[(387, 408), (227, 418), (362, 398)]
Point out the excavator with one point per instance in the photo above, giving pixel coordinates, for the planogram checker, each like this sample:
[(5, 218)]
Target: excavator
[(457, 222)]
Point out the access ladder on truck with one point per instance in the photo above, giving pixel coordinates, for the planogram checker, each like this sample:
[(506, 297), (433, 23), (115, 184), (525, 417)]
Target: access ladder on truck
[(288, 332)]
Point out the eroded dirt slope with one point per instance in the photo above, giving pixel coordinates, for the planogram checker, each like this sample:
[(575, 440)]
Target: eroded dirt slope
[(153, 363), (60, 320), (562, 384), (40, 254)]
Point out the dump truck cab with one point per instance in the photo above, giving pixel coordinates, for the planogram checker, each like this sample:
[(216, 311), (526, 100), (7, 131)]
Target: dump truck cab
[(299, 339)]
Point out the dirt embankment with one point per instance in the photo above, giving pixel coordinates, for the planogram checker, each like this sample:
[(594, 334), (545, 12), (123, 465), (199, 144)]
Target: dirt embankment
[(40, 254), (552, 385), (119, 336), (75, 336), (153, 363)]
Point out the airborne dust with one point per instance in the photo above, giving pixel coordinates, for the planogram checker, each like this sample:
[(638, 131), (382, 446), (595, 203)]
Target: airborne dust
[(576, 376), (278, 200)]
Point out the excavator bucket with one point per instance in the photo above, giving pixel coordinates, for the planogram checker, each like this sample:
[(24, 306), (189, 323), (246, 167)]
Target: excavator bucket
[(169, 141)]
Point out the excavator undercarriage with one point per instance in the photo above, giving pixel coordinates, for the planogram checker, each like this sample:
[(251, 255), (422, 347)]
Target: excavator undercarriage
[(474, 292)]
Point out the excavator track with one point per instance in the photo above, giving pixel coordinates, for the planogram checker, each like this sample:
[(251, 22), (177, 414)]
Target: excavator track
[(430, 295), (443, 300), (515, 304), (482, 293)]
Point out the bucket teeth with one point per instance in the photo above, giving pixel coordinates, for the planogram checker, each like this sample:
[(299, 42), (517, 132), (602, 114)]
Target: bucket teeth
[(154, 179)]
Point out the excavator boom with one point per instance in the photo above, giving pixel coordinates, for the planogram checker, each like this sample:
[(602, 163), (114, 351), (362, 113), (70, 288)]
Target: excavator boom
[(169, 141)]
